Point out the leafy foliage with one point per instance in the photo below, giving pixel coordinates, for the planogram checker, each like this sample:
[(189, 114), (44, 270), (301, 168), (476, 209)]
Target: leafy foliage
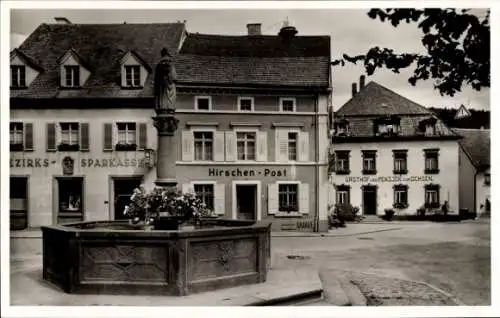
[(338, 214), (457, 44), (146, 206)]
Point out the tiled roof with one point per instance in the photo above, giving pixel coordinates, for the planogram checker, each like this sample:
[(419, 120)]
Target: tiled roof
[(476, 143), (375, 99), (204, 59)]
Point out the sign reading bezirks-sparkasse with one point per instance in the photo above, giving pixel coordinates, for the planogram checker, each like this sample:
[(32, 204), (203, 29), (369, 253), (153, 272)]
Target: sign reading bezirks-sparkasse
[(389, 179), (83, 163)]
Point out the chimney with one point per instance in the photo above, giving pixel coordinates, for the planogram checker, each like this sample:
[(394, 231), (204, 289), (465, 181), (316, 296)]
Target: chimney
[(354, 89), (287, 31), (361, 82), (62, 20), (254, 29)]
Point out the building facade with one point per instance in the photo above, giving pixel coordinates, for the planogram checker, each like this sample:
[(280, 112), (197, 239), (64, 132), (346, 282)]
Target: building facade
[(391, 153), (475, 177), (253, 122)]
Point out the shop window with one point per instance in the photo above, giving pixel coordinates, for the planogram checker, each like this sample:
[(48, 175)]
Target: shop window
[(287, 104), (70, 200), (342, 194), (432, 196), (203, 145), (245, 142), (72, 73), (70, 136), (400, 196), (431, 161), (21, 136), (132, 75), (369, 161), (18, 203), (205, 193), (487, 179), (400, 161), (342, 162), (292, 146), (127, 136), (203, 103), (288, 197), (245, 103), (18, 76)]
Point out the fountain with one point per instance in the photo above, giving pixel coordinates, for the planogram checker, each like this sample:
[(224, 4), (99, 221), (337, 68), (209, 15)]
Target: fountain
[(115, 257)]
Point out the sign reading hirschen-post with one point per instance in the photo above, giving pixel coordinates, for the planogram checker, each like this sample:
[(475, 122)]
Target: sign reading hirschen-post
[(267, 172)]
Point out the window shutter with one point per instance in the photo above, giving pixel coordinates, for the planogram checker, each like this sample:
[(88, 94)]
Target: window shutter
[(262, 144), (303, 146), (219, 202), (51, 137), (281, 145), (187, 145), (108, 137), (304, 198), (84, 136), (143, 136), (230, 145), (187, 188), (272, 198), (219, 146), (28, 137)]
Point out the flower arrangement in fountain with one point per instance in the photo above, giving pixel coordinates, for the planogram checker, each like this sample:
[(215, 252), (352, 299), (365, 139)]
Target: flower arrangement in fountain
[(147, 206)]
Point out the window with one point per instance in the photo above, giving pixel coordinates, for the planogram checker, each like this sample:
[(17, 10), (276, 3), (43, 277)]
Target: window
[(342, 129), (292, 146), (388, 129), (487, 179), (430, 130), (287, 104), (205, 193), (432, 196), (245, 145), (127, 136), (431, 161), (400, 196), (342, 162), (342, 195), (16, 135), (400, 159), (203, 145), (246, 103), (369, 162), (72, 75), (69, 137), (70, 200), (203, 103), (18, 203), (18, 76), (288, 197), (132, 75)]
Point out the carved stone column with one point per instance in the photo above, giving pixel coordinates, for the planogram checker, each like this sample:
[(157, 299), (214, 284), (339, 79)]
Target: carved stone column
[(166, 125)]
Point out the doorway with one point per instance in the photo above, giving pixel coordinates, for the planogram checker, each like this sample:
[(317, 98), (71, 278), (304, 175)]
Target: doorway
[(18, 203), (70, 199), (123, 188), (246, 201), (369, 200)]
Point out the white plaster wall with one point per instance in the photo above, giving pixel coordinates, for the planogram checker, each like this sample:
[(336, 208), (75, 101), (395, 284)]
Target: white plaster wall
[(447, 176), (483, 191)]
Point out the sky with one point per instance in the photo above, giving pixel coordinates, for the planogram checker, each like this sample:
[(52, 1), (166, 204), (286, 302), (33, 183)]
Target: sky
[(351, 31)]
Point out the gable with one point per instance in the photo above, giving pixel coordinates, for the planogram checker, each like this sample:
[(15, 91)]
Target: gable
[(31, 72), (462, 112)]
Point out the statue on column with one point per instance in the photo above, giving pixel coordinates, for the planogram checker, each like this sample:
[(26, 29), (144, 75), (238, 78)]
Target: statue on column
[(164, 82)]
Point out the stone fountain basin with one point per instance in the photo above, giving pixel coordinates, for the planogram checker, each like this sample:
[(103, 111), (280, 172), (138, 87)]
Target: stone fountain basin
[(113, 257)]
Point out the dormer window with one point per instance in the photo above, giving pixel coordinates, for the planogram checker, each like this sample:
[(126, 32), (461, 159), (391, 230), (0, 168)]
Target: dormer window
[(18, 76), (341, 128), (430, 130), (72, 76), (427, 126), (132, 75), (386, 127)]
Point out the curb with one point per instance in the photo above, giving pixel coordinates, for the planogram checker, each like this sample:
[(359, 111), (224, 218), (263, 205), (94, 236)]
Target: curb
[(334, 235)]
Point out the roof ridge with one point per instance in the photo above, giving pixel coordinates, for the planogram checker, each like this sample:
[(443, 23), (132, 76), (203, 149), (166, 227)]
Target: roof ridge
[(392, 91)]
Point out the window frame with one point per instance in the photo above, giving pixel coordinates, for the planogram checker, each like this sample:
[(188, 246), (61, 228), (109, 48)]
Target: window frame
[(400, 154), (205, 183), (132, 73), (297, 188), (18, 70), (252, 101), (428, 155), (126, 146), (297, 137), (69, 146), (346, 155), (341, 190), (428, 188), (18, 146), (197, 98), (246, 130), (397, 201), (203, 130), (367, 155), (288, 99), (74, 71)]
